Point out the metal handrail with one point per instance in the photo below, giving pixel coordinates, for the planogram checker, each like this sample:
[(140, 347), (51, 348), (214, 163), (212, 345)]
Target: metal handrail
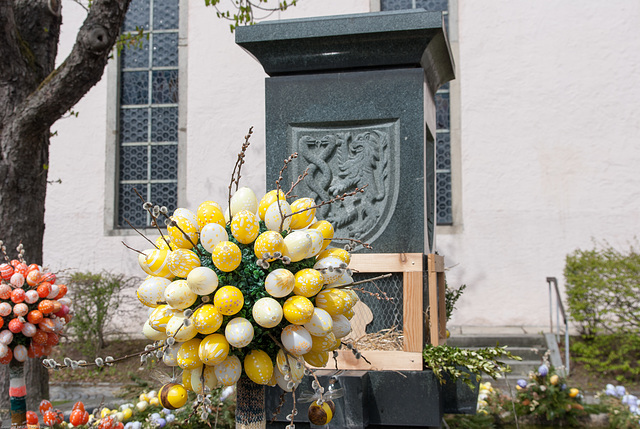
[(553, 282)]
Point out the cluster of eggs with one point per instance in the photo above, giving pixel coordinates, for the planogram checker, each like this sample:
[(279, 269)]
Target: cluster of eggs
[(33, 311), (209, 324)]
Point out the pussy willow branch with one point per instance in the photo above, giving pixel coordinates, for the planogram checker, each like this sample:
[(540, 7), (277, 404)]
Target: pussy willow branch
[(116, 360), (141, 234), (353, 240), (296, 183), (131, 248), (174, 224), (238, 166), (154, 219), (384, 276), (278, 188)]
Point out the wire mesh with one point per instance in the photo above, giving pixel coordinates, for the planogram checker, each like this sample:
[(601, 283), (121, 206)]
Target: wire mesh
[(384, 298)]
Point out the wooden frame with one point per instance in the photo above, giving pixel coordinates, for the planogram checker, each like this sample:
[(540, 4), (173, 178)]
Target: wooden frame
[(436, 323)]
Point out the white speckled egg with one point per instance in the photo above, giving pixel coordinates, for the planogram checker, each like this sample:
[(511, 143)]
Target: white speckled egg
[(244, 199), (321, 323), (273, 219), (296, 339), (228, 372), (214, 349), (245, 226), (178, 295), (177, 329), (279, 283), (187, 214), (297, 245), (268, 242), (182, 261), (267, 312), (202, 280), (304, 215), (170, 356), (239, 332), (188, 354), (151, 333), (212, 234), (151, 291), (327, 266), (341, 326)]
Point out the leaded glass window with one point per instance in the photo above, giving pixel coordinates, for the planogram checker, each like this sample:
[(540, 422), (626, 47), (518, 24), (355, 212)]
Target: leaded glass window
[(148, 112), (444, 213)]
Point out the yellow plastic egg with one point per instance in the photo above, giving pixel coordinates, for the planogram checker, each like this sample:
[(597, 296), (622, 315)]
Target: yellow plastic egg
[(341, 326), (268, 199), (170, 355), (297, 245), (317, 359), (332, 300), (267, 312), (303, 214), (279, 283), (273, 216), (202, 280), (322, 344), (296, 340), (212, 234), (214, 349), (226, 256), (337, 252), (239, 332), (243, 199), (161, 243), (228, 300), (308, 282), (210, 212), (184, 234), (187, 214), (151, 291), (326, 229), (320, 324), (188, 354), (178, 295), (349, 313), (186, 380), (204, 373), (179, 330), (151, 333), (258, 366), (228, 372), (317, 240), (127, 413), (172, 396), (573, 392), (182, 261), (160, 316), (245, 226), (298, 310), (207, 319), (155, 262), (268, 242)]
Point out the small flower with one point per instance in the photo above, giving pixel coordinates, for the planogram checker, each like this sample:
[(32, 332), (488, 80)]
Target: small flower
[(147, 205), (99, 362)]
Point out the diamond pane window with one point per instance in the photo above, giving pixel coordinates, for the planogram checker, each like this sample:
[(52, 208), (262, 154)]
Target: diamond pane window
[(444, 212), (148, 112)]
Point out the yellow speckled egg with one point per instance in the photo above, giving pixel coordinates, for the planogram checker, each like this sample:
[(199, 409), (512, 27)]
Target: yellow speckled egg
[(161, 242), (351, 298), (267, 312), (303, 215), (142, 261), (151, 333), (245, 226), (322, 344), (332, 300), (210, 212), (296, 340), (317, 240), (182, 261), (317, 359), (178, 295), (258, 366), (268, 199), (211, 235), (338, 253), (188, 354), (207, 319), (204, 372), (297, 245), (298, 310), (239, 332), (214, 349), (170, 355), (226, 256), (244, 199), (293, 366), (202, 280), (279, 283), (151, 291), (268, 242), (186, 380), (177, 329), (349, 313), (320, 324), (187, 214), (160, 316), (189, 232), (156, 262), (308, 282), (341, 326), (228, 372), (228, 300), (273, 218), (331, 268), (326, 229)]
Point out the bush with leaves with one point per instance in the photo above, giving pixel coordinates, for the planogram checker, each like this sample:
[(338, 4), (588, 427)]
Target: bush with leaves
[(616, 355), (451, 296)]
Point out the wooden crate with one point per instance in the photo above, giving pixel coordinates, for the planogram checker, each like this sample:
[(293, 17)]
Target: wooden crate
[(436, 322)]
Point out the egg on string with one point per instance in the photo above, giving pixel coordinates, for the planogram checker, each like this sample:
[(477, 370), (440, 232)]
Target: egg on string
[(188, 215), (332, 300), (6, 271), (21, 309), (296, 339), (320, 324), (267, 312), (55, 289), (228, 372), (303, 213), (184, 234), (326, 229), (258, 366), (273, 217), (179, 296), (308, 282), (155, 262), (202, 280), (245, 226), (268, 242), (226, 256), (297, 245), (29, 329), (210, 212), (213, 349), (268, 199), (188, 354), (207, 319), (243, 199), (5, 309), (160, 316), (212, 234), (341, 326), (31, 297), (151, 291), (33, 277), (298, 310), (182, 261), (279, 283), (239, 332), (6, 337)]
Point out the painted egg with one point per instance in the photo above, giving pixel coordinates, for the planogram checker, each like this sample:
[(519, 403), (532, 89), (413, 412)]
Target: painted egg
[(20, 353), (317, 359), (290, 365), (186, 382), (184, 234), (268, 242), (172, 396), (239, 332), (179, 330), (151, 333), (243, 199), (351, 299), (33, 277), (55, 289), (202, 280), (308, 282), (161, 243), (296, 340), (188, 354), (170, 355), (228, 372), (151, 291), (207, 319), (226, 256), (258, 366), (5, 291), (214, 349), (349, 313), (210, 212), (268, 199), (285, 384), (6, 336), (188, 215), (17, 280), (298, 310), (273, 218), (320, 324), (227, 218), (18, 295), (267, 312), (331, 268), (29, 329), (322, 344), (303, 214), (5, 309), (332, 300), (279, 283), (20, 309), (338, 253), (4, 350), (6, 271), (344, 279), (228, 300), (317, 240), (15, 325), (204, 372), (341, 326), (179, 296), (297, 245), (211, 235), (182, 261), (245, 226), (160, 316), (326, 229)]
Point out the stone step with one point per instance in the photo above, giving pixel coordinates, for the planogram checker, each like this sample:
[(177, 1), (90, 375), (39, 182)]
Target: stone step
[(479, 340)]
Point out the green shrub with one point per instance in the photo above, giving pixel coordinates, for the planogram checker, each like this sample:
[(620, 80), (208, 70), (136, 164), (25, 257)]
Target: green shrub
[(451, 296), (610, 355)]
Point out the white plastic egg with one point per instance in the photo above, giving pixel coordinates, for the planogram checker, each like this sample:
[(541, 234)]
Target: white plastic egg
[(244, 199), (212, 234), (239, 332), (279, 283), (267, 312), (228, 371), (297, 245), (327, 266), (317, 240), (341, 326), (273, 219), (178, 295), (296, 339), (179, 330), (202, 280), (151, 291), (170, 356), (321, 323)]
